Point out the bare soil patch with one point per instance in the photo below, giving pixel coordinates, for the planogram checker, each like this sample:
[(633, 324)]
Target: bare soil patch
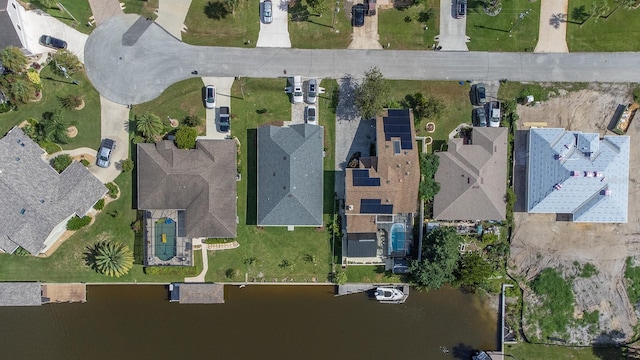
[(72, 131), (539, 241)]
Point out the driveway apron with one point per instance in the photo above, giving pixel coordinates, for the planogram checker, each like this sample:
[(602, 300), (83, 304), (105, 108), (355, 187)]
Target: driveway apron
[(275, 34)]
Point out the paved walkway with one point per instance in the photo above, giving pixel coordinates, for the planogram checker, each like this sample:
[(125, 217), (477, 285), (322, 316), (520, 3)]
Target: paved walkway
[(200, 278), (171, 16), (140, 72), (105, 9), (275, 34), (553, 27)]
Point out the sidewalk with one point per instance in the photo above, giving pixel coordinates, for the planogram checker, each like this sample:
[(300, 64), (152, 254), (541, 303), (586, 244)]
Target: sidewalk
[(197, 243), (553, 27)]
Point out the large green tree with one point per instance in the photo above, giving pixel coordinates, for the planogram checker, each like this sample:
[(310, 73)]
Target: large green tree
[(54, 127), (440, 255), (473, 271), (111, 258), (372, 94), (186, 137), (149, 125), (13, 59), (67, 60)]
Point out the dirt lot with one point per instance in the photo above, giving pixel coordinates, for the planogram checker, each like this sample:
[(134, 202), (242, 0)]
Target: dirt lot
[(539, 241)]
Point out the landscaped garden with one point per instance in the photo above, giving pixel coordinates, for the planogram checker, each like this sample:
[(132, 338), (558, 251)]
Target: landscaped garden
[(410, 27), (606, 25), (217, 24), (273, 253), (514, 28)]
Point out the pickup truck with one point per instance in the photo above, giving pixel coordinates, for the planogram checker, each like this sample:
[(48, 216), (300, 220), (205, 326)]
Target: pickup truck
[(225, 119)]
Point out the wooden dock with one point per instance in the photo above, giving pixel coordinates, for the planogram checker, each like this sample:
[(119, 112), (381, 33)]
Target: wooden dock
[(59, 293)]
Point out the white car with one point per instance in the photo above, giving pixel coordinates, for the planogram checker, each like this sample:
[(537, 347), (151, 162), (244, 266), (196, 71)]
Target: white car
[(310, 115), (210, 97), (297, 90)]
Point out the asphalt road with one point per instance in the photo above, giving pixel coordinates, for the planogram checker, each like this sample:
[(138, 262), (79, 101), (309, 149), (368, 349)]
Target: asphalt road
[(132, 74)]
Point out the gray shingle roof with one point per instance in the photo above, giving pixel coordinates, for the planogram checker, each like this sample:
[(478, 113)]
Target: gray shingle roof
[(201, 181), (34, 198), (290, 175), (473, 178), (571, 172), (20, 294)]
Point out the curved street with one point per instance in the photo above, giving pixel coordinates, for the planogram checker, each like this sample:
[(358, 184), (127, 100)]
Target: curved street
[(130, 60)]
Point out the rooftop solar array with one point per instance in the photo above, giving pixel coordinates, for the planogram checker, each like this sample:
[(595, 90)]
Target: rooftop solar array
[(361, 178), (375, 206), (398, 125)]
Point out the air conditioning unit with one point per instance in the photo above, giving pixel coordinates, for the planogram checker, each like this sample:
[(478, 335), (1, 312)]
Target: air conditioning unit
[(349, 207)]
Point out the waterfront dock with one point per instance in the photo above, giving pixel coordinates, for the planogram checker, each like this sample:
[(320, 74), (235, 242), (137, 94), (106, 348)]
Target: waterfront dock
[(356, 288), (60, 293), (191, 293)]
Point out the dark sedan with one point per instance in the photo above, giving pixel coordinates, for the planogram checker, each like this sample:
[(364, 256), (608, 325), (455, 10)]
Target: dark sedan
[(357, 13), (54, 43)]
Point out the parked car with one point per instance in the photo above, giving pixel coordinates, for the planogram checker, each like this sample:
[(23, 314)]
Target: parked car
[(104, 153), (479, 117), (225, 117), (310, 115), (479, 94), (297, 89), (267, 14), (210, 97), (357, 15), (312, 91), (461, 8), (54, 43)]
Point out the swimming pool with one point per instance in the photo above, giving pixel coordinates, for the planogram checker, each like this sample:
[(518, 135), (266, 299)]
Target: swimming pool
[(165, 239), (398, 235)]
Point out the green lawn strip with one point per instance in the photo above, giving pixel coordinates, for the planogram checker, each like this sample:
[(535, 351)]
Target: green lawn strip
[(306, 250), (370, 274), (404, 28), (311, 31), (177, 101), (145, 8), (526, 351), (80, 10), (632, 275), (55, 87), (541, 92), (221, 27), (618, 32), (492, 33), (457, 106)]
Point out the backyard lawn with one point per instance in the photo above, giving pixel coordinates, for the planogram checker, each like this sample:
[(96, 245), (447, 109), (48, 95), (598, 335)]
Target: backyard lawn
[(526, 351), (310, 31), (515, 28), (619, 31), (404, 28), (210, 23), (370, 274), (55, 87), (457, 106), (273, 253)]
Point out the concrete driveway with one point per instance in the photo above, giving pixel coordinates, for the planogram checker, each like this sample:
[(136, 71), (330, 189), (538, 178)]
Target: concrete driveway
[(452, 35), (223, 98), (553, 27), (275, 34), (171, 16), (114, 125), (38, 23), (366, 37)]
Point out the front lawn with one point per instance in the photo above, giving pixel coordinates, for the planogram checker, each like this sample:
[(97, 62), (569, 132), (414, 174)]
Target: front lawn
[(80, 10), (410, 28), (457, 108), (310, 31), (515, 28), (211, 23), (55, 87), (617, 32), (272, 253)]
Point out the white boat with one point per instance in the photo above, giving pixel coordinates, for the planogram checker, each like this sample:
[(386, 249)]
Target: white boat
[(389, 294)]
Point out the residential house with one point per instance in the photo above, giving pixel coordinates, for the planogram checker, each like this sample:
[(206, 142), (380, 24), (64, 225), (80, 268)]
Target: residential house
[(12, 31), (185, 194), (473, 177), (35, 201), (579, 175), (290, 175), (381, 194)]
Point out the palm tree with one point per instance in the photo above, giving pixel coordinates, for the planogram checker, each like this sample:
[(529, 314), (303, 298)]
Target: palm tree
[(111, 258), (13, 59), (149, 125), (21, 90), (55, 127)]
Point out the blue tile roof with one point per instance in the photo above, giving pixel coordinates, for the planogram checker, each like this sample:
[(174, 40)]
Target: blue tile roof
[(571, 172)]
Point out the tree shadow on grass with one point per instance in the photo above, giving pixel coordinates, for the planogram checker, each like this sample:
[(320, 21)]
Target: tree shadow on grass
[(216, 10), (252, 180), (329, 198)]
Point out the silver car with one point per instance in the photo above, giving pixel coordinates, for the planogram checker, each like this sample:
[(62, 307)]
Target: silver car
[(312, 91), (104, 153), (310, 115), (267, 13)]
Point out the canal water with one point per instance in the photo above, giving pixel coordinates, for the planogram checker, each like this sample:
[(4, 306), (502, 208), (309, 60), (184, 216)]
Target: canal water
[(256, 322)]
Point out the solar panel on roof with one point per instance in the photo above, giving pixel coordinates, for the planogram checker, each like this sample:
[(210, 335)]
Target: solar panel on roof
[(360, 173), (361, 178)]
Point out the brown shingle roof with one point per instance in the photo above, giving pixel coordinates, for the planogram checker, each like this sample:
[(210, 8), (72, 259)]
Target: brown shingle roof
[(201, 181), (399, 178), (473, 178)]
